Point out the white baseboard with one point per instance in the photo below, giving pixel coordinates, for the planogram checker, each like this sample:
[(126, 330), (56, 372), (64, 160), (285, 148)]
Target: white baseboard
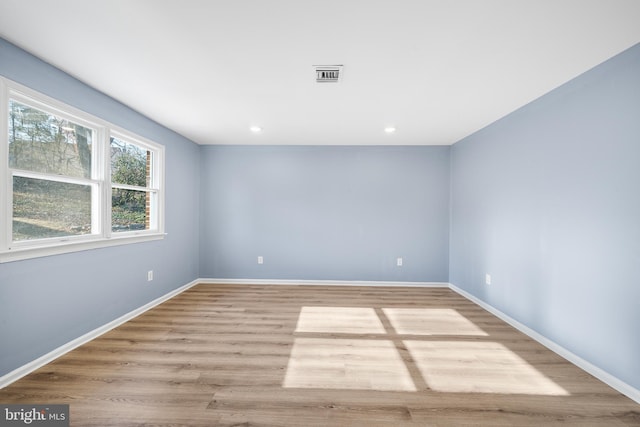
[(26, 369), (321, 283), (602, 375), (614, 382), (20, 372)]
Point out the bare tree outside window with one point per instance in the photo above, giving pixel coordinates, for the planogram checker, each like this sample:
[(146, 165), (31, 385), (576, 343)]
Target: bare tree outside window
[(43, 143)]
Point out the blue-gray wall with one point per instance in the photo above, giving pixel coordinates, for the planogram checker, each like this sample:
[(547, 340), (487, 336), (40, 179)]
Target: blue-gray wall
[(325, 213), (547, 200), (47, 302)]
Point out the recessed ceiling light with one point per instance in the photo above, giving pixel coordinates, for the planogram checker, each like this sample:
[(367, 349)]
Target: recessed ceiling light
[(390, 129), (255, 129)]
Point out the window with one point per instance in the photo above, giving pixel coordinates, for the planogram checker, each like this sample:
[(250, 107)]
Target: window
[(74, 182), (50, 167), (134, 189)]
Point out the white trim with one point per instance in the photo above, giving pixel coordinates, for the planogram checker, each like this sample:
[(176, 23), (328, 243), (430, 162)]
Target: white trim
[(612, 381), (134, 188), (5, 182), (129, 137), (20, 372), (67, 179), (76, 244), (157, 184), (218, 281), (39, 101)]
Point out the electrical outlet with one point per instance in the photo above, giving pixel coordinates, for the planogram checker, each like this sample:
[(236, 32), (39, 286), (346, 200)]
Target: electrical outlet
[(149, 275), (260, 260), (399, 262), (487, 279)]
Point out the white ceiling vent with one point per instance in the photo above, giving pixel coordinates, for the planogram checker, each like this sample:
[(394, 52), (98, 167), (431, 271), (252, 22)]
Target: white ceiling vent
[(328, 73)]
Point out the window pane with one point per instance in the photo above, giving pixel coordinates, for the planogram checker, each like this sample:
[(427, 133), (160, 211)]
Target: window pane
[(129, 210), (43, 209), (130, 164), (42, 142)]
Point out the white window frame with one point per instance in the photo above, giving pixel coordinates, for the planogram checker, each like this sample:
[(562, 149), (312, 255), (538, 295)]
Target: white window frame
[(101, 234), (157, 180)]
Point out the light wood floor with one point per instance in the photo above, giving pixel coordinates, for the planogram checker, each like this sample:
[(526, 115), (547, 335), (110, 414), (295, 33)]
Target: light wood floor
[(222, 355)]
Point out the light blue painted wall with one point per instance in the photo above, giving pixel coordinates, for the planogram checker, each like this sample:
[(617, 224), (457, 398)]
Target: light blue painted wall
[(547, 200), (325, 213), (49, 301)]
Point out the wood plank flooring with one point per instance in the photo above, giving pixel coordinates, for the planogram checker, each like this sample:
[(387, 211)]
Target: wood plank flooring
[(238, 355)]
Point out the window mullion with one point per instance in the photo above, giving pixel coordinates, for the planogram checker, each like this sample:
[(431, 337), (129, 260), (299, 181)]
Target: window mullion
[(106, 177), (51, 177), (133, 187), (98, 174)]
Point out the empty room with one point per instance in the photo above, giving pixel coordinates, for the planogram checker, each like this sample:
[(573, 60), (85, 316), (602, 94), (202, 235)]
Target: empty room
[(336, 213)]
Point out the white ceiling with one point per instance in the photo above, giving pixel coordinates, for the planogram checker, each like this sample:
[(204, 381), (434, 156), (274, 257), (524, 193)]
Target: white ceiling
[(438, 70)]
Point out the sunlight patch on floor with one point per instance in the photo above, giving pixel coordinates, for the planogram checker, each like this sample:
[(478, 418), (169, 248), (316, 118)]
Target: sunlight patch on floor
[(431, 321), (345, 320), (478, 367), (374, 361), (347, 364)]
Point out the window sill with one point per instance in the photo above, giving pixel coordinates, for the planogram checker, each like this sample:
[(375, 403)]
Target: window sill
[(28, 252)]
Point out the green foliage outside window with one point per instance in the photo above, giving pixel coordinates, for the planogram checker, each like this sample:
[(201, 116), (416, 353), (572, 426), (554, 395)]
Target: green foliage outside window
[(129, 166)]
